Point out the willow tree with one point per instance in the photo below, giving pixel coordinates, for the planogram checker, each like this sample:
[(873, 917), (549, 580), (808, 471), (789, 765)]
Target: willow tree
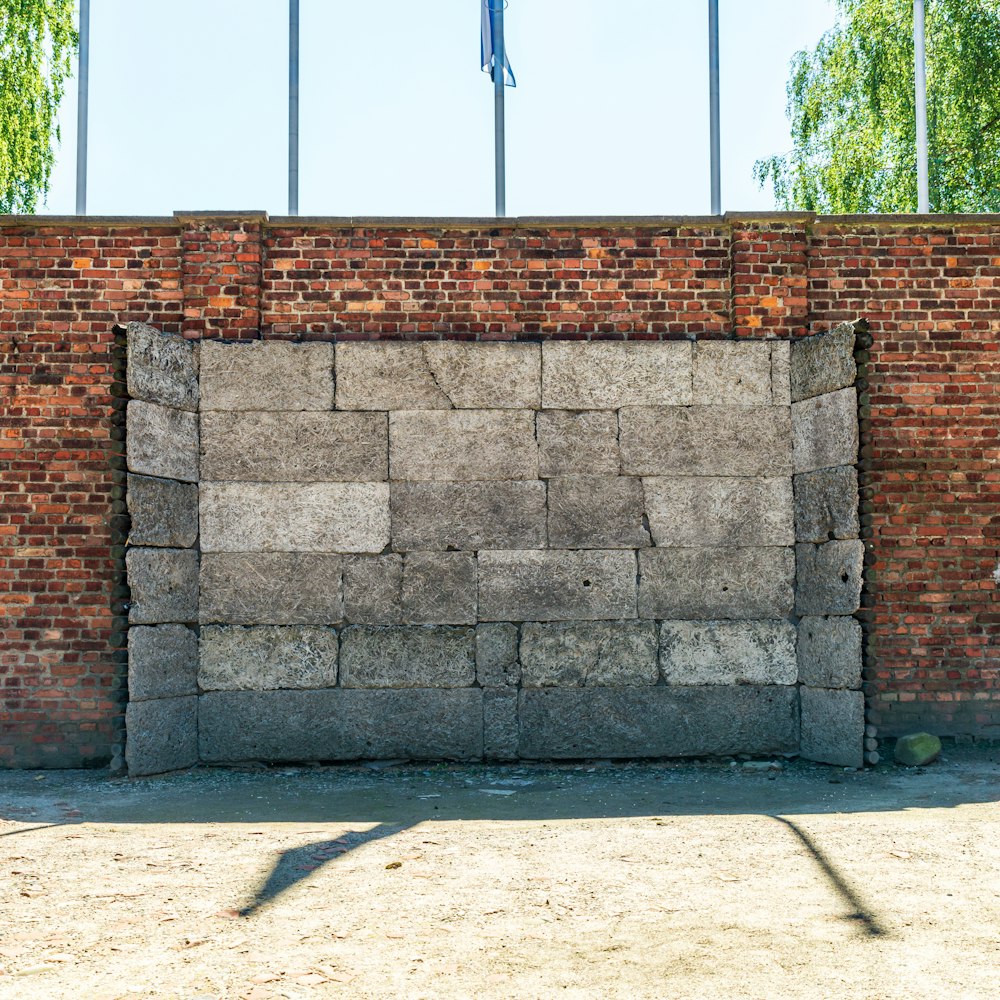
[(851, 107), (37, 42)]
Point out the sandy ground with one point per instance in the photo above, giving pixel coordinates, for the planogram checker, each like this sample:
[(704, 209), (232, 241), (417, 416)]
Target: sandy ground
[(597, 880)]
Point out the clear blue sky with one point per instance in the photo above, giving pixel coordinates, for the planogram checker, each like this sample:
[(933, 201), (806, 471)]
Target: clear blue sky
[(188, 106)]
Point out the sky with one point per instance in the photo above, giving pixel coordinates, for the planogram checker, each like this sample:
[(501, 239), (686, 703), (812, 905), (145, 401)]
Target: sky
[(188, 106)]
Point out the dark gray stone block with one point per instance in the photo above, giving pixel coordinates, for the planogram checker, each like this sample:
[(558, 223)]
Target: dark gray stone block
[(161, 367), (728, 652), (162, 441), (428, 656), (164, 585), (828, 578), (596, 512), (500, 724), (833, 724), (588, 654), (162, 735), (373, 589), (829, 652), (497, 664), (826, 504), (164, 512), (823, 363), (439, 588), (162, 662)]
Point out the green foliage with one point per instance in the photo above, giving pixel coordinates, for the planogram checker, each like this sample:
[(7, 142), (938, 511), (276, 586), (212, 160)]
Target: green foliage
[(37, 43), (851, 105)]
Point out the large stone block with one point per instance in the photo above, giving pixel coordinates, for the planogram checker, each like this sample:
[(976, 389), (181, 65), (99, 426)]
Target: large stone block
[(826, 505), (500, 724), (162, 735), (588, 654), (710, 583), (833, 726), (733, 373), (828, 578), (705, 510), (267, 657), (294, 517), (164, 585), (603, 375), (162, 441), (162, 662), (407, 657), (161, 367), (271, 588), (581, 443), (825, 431), (556, 586), (439, 588), (657, 721), (706, 441), (829, 652), (497, 664), (295, 447), (164, 512), (430, 724), (596, 512), (727, 652), (373, 589), (462, 445), (781, 381), (472, 516), (823, 363), (266, 375)]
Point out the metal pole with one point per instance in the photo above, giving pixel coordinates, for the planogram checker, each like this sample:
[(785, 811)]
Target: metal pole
[(83, 75), (293, 107), (496, 13), (713, 105), (920, 77)]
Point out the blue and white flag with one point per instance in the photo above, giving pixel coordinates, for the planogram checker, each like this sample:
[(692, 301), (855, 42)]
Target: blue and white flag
[(487, 58)]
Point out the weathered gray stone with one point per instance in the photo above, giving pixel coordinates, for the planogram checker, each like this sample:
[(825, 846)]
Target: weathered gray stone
[(271, 588), (828, 578), (825, 431), (727, 652), (164, 585), (427, 656), (295, 447), (162, 441), (588, 654), (462, 445), (833, 725), (294, 517), (781, 385), (596, 512), (734, 373), (556, 586), (497, 664), (711, 583), (266, 375), (267, 657), (826, 505), (823, 363), (603, 375), (386, 376), (706, 441), (705, 510), (581, 443), (916, 749), (161, 367), (340, 724), (657, 721), (162, 662), (162, 735), (500, 724), (373, 589), (439, 588), (163, 512), (491, 515), (829, 652)]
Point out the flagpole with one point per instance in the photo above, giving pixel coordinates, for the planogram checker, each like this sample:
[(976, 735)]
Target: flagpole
[(920, 83), (293, 107), (713, 105), (496, 14), (83, 100)]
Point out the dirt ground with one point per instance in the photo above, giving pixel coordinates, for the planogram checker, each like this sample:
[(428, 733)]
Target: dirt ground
[(594, 880)]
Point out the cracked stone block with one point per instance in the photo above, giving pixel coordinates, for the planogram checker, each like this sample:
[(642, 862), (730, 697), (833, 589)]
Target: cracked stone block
[(162, 441), (706, 440), (735, 373), (266, 375), (161, 367), (833, 726), (294, 517), (164, 584), (500, 724), (497, 664), (421, 656), (162, 735), (271, 588), (781, 380), (690, 511), (570, 723), (826, 505), (556, 586), (373, 589), (306, 447), (588, 654), (164, 512), (828, 578), (581, 443), (267, 657), (712, 583), (727, 652), (462, 445), (602, 375), (825, 431), (829, 652), (823, 363), (472, 516), (439, 588), (162, 662), (596, 512)]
